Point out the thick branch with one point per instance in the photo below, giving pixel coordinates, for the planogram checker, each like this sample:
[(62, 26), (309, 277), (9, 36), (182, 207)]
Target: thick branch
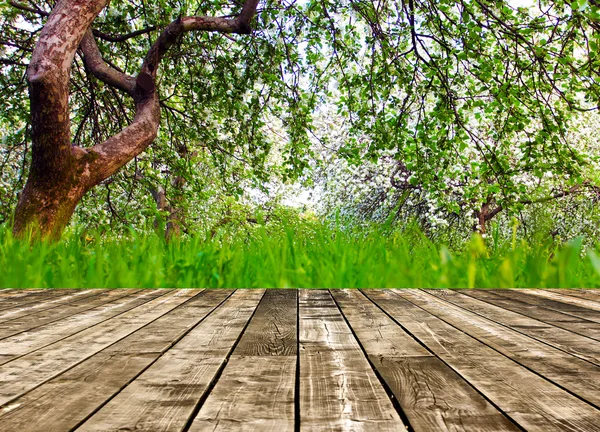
[(169, 36), (12, 62), (104, 159), (490, 214), (100, 69)]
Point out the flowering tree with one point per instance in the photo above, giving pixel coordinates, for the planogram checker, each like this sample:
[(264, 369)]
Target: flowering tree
[(474, 94)]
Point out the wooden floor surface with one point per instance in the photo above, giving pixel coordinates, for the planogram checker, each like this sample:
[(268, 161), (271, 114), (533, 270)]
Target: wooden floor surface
[(299, 360)]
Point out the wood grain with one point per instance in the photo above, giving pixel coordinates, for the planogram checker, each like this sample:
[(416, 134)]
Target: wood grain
[(44, 300), (34, 339), (578, 376), (66, 400), (585, 304), (548, 303), (254, 393), (20, 298), (166, 394), (593, 295), (338, 389), (574, 344), (256, 390), (21, 324), (27, 372), (530, 400), (430, 393), (272, 331), (538, 312), (344, 360)]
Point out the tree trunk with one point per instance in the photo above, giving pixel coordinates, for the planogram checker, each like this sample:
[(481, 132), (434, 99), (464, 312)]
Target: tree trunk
[(53, 188), (45, 208), (172, 226), (61, 173)]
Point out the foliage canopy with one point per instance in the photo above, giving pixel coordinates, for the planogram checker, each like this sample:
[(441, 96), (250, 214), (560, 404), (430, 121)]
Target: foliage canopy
[(476, 94)]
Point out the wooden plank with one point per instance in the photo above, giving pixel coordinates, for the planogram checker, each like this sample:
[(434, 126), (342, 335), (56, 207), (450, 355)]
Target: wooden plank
[(165, 396), (67, 400), (338, 389), (272, 331), (552, 304), (19, 297), (536, 310), (27, 372), (39, 298), (256, 390), (29, 341), (586, 295), (42, 304), (574, 344), (42, 301), (530, 400), (12, 293), (254, 393), (578, 376), (430, 393), (585, 304), (31, 321)]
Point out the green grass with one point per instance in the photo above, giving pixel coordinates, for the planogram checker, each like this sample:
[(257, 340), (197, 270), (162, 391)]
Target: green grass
[(309, 255)]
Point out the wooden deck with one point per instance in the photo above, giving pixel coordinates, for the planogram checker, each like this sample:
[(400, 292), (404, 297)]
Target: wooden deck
[(299, 360)]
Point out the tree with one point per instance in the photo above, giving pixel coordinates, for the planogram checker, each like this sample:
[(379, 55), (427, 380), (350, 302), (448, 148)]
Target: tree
[(431, 82), (61, 173)]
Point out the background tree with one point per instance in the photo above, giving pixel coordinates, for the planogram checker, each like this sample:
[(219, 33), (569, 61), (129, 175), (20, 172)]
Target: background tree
[(61, 173), (475, 93)]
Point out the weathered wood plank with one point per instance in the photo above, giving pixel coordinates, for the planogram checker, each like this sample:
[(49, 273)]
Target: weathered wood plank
[(273, 330), (576, 345), (21, 324), (29, 341), (43, 301), (338, 389), (46, 303), (12, 293), (20, 297), (254, 393), (530, 400), (578, 376), (27, 372), (431, 394), (256, 390), (537, 311), (586, 295), (585, 304), (165, 396), (67, 400), (548, 303)]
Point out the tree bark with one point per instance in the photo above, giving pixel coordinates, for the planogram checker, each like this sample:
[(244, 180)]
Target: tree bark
[(61, 173)]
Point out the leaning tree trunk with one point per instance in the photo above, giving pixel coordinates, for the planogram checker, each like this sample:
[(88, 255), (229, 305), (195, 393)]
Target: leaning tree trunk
[(61, 173), (53, 188)]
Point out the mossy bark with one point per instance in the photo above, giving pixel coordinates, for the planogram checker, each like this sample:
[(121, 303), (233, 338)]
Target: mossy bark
[(44, 210)]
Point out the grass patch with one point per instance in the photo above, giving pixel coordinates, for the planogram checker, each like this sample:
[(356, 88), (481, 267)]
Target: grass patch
[(306, 255)]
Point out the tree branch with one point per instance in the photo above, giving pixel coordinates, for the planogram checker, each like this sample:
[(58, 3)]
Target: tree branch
[(170, 35), (28, 9), (101, 70), (122, 38), (104, 159)]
